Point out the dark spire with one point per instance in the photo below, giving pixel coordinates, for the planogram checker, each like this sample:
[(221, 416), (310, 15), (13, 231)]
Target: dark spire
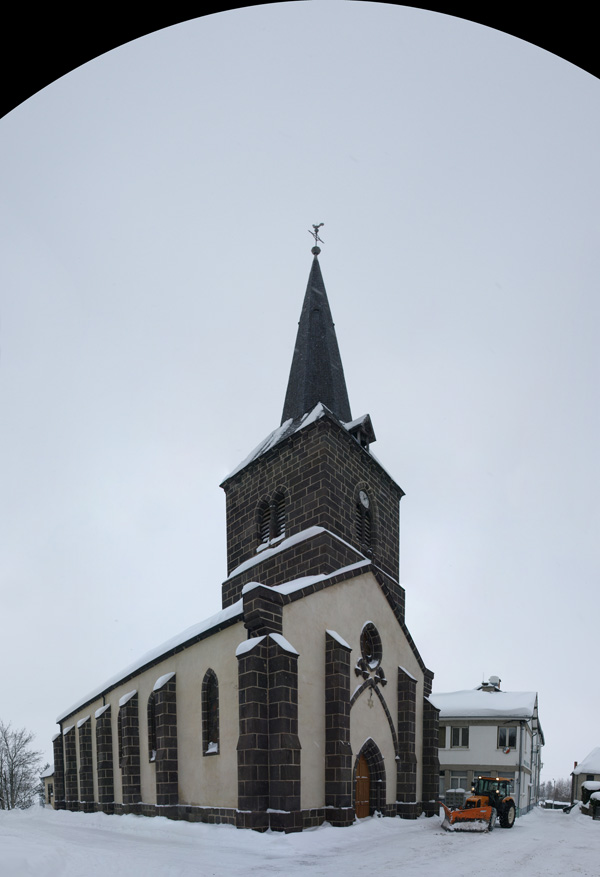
[(316, 374)]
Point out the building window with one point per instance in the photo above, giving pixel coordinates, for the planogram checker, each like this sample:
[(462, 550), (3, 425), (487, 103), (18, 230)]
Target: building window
[(370, 645), (363, 520), (264, 522), (278, 516), (152, 727), (210, 713), (458, 780), (507, 738), (271, 519), (442, 737), (459, 738)]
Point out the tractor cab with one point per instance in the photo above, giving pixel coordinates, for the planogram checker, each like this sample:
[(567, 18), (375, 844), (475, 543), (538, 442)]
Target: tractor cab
[(492, 786)]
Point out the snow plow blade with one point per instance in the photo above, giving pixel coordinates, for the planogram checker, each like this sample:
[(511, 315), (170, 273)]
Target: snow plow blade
[(470, 819)]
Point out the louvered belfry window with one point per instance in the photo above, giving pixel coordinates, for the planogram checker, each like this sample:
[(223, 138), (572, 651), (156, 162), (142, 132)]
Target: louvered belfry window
[(363, 526), (264, 522), (272, 518), (278, 515)]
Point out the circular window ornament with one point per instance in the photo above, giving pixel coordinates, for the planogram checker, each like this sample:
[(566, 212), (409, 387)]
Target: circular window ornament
[(370, 645)]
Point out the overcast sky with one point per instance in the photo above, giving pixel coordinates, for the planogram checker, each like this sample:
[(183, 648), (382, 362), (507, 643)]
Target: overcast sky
[(154, 256)]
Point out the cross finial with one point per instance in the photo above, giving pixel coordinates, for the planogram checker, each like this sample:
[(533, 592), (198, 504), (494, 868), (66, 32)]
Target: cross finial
[(315, 233)]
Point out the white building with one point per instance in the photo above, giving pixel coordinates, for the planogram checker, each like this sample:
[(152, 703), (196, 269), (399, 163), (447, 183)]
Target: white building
[(486, 731)]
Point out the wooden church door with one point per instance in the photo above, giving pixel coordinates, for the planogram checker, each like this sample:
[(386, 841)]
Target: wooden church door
[(363, 788)]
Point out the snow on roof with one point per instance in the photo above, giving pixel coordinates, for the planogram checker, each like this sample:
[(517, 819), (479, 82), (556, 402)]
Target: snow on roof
[(283, 643), (590, 764), (276, 549), (248, 644), (481, 704), (154, 654), (49, 772), (289, 427), (304, 581), (162, 680), (127, 697), (82, 721), (591, 785), (339, 639), (214, 621), (302, 536)]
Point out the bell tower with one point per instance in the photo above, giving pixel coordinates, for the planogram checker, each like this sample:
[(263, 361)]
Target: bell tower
[(311, 499)]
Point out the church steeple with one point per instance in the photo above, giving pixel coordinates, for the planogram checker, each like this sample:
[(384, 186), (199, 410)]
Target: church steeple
[(316, 374)]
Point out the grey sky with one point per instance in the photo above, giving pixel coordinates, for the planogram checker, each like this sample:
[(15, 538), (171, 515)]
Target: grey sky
[(154, 257)]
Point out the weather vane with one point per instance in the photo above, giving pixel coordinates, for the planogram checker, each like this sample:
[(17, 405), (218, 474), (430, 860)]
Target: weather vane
[(315, 233)]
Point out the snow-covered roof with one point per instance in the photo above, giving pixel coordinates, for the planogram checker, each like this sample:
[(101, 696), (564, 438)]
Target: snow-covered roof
[(485, 704), (214, 622), (284, 544), (590, 764), (49, 772), (186, 635), (288, 428)]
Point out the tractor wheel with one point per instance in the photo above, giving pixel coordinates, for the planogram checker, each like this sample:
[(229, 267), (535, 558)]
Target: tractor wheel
[(492, 822), (507, 817)]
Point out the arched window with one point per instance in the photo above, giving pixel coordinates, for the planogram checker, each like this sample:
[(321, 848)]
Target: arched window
[(278, 515), (363, 520), (210, 713), (271, 518), (151, 711)]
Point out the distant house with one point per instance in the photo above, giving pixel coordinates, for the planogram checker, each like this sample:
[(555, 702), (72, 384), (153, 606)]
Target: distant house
[(585, 778), (486, 731), (48, 780)]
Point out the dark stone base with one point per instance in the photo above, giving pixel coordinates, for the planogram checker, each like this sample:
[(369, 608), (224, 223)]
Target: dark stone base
[(260, 820), (123, 809), (339, 817), (108, 808), (87, 806), (410, 810)]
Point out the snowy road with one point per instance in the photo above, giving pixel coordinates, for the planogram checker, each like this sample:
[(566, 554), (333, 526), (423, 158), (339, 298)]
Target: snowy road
[(42, 843)]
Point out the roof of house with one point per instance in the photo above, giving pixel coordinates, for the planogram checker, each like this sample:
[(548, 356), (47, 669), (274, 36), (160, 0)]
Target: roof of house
[(485, 704), (590, 764)]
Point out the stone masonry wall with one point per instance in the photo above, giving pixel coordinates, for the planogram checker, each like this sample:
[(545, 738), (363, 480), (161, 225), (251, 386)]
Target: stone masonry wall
[(86, 770), (320, 470), (59, 772), (407, 735), (431, 762), (104, 761)]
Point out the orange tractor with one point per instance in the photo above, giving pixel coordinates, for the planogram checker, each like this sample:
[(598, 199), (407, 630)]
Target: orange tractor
[(490, 799)]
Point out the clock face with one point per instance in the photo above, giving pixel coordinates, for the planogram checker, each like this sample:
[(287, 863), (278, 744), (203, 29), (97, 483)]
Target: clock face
[(364, 498)]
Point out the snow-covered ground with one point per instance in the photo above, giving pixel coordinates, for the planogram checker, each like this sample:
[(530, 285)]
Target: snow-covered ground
[(43, 843)]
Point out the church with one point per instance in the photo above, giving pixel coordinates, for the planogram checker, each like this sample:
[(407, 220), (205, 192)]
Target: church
[(305, 699)]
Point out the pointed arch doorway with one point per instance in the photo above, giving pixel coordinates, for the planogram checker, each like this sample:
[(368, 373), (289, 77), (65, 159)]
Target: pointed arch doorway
[(363, 788)]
